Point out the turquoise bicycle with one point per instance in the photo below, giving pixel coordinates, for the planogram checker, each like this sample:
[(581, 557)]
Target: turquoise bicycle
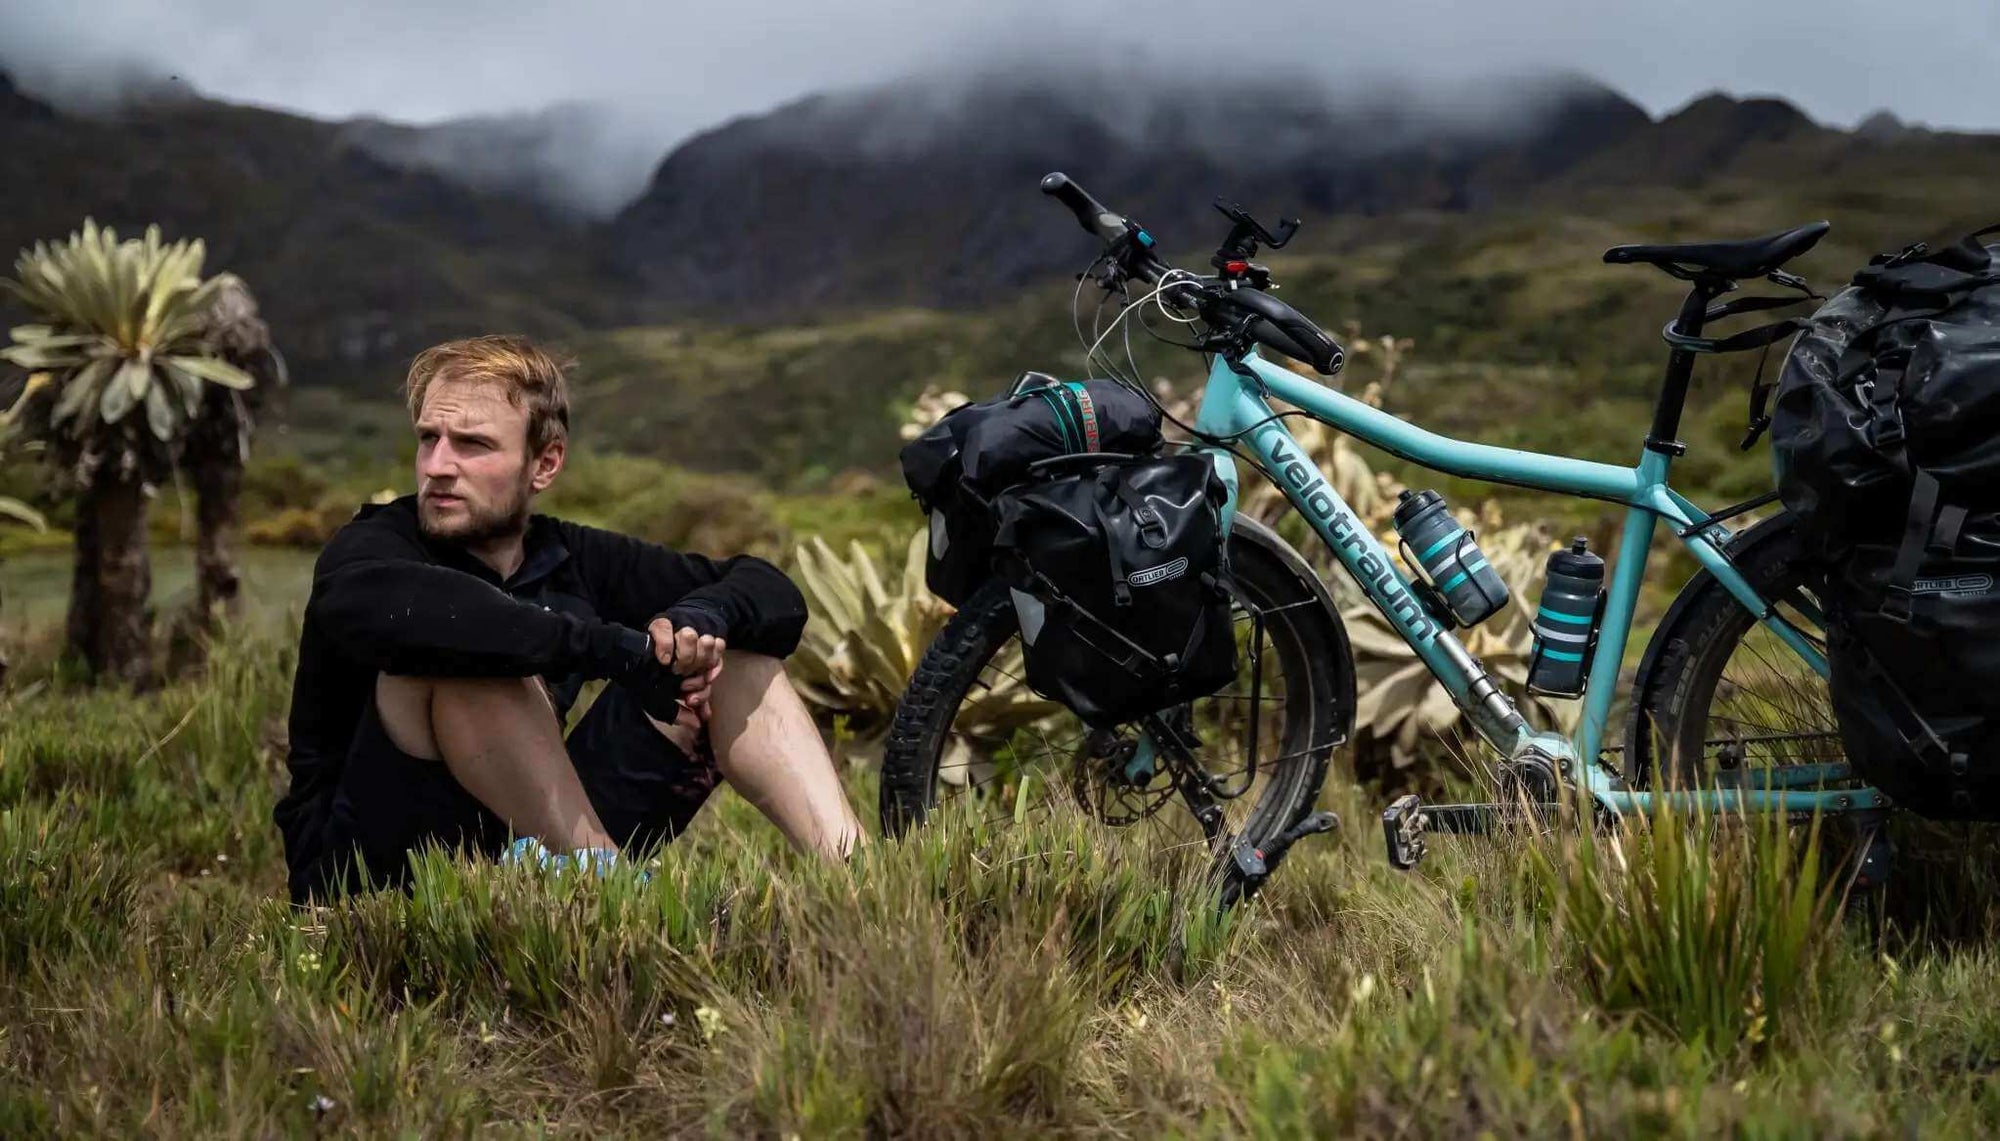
[(1728, 709)]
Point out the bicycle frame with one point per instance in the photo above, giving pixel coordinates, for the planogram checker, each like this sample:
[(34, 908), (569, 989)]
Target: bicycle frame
[(1236, 405)]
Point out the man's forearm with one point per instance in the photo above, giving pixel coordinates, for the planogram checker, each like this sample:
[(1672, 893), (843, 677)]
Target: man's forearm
[(754, 606), (744, 599), (416, 620)]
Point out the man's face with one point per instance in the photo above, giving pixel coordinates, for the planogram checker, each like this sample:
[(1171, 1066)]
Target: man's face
[(475, 477)]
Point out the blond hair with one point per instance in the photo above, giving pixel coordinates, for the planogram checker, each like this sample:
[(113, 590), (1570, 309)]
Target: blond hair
[(530, 376)]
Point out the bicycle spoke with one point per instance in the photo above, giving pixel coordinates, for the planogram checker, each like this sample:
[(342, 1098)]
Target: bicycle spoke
[(1049, 750), (1769, 709)]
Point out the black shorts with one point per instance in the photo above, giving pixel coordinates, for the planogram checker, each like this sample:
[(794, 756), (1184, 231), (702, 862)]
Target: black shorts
[(389, 804)]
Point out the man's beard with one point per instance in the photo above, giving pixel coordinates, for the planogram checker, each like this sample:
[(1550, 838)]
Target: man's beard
[(481, 525)]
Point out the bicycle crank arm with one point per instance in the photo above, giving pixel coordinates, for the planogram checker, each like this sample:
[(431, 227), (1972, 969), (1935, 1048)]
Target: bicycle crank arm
[(1408, 820)]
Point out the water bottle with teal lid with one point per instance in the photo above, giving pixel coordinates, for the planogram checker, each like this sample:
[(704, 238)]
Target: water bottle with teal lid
[(1464, 582), (1566, 623)]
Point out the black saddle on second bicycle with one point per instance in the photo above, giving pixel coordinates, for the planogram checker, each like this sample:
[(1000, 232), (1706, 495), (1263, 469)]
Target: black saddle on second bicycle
[(1750, 257)]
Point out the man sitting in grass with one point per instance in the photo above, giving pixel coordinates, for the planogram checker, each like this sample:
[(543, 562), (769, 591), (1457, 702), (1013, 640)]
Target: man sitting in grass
[(450, 632)]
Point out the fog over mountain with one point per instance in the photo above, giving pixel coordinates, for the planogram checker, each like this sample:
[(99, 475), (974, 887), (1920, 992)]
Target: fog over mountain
[(584, 159), (923, 188), (1278, 115), (593, 160), (587, 96)]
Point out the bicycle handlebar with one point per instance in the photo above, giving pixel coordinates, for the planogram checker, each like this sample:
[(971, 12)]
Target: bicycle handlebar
[(1278, 326), (1090, 213), (1252, 313)]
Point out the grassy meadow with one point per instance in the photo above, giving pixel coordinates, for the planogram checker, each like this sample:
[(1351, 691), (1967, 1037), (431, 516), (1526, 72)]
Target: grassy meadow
[(1049, 979)]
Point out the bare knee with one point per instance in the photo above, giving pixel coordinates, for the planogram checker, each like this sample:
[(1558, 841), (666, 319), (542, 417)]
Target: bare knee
[(411, 707), (753, 690), (743, 670)]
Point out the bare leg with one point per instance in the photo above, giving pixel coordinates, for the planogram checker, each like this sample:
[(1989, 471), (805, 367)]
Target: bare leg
[(771, 753), (502, 742)]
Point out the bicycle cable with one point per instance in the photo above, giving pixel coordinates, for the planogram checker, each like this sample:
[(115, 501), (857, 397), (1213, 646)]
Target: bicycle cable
[(1090, 355), (1132, 381)]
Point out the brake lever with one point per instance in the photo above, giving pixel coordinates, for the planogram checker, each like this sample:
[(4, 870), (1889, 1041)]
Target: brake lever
[(1130, 256), (1111, 279)]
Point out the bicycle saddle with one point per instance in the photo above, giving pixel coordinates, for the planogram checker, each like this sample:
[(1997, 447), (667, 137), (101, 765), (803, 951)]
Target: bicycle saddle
[(1751, 257)]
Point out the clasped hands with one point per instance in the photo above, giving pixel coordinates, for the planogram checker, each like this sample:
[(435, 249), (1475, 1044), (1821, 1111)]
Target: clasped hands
[(695, 658)]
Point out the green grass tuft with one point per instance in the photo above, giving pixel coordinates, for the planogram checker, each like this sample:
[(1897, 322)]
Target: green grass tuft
[(1719, 929)]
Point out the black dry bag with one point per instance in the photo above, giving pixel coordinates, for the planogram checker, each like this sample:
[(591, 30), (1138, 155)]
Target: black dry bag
[(1886, 435), (1119, 580), (980, 449)]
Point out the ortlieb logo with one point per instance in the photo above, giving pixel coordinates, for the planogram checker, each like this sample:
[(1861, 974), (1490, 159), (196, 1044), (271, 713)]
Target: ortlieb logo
[(1161, 573), (1954, 586)]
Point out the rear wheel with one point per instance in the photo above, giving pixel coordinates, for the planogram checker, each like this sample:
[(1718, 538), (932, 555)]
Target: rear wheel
[(968, 732), (1725, 695)]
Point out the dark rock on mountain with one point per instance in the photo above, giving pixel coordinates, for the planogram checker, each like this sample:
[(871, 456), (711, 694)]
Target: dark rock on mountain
[(926, 192), (1884, 126), (1698, 141), (17, 106)]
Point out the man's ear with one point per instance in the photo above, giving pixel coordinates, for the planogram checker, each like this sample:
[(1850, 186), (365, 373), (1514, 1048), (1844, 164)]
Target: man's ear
[(547, 465)]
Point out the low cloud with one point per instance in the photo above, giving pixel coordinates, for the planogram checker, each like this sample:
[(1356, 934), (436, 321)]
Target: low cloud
[(592, 92)]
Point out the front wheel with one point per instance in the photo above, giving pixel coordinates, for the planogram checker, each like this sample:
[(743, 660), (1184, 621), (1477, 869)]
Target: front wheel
[(1721, 694), (969, 731)]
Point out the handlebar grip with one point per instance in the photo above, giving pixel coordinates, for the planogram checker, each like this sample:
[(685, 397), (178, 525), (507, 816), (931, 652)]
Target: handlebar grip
[(1278, 326), (1090, 213)]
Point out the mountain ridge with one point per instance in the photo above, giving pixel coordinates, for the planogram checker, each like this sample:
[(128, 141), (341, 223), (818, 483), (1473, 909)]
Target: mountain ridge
[(356, 261), (360, 260), (812, 172)]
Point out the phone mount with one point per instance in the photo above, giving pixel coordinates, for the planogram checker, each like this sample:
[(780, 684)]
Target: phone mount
[(1246, 233), (1232, 258)]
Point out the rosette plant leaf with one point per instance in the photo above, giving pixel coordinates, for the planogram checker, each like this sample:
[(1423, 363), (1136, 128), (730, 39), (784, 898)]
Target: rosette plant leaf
[(119, 367), (869, 626)]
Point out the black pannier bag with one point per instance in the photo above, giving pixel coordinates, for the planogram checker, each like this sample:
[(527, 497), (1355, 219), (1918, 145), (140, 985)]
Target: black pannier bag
[(961, 527), (1118, 575), (979, 449), (1886, 434)]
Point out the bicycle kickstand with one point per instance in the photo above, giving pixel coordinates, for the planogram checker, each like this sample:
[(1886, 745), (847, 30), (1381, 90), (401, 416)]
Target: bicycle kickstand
[(1251, 866), (1871, 860)]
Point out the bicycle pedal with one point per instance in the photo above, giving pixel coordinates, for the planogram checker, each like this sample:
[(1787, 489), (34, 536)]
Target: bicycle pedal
[(1312, 825), (1403, 826)]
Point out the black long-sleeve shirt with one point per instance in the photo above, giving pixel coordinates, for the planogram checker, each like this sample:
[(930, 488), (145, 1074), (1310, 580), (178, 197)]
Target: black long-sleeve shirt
[(386, 600)]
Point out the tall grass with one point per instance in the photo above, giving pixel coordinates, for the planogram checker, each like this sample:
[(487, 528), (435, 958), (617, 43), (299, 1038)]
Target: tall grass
[(1051, 979), (1716, 928)]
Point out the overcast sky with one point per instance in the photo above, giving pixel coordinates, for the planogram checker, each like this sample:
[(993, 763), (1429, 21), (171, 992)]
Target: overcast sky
[(681, 65)]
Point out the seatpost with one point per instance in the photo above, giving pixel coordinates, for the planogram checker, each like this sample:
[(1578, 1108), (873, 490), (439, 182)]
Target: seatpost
[(1664, 438)]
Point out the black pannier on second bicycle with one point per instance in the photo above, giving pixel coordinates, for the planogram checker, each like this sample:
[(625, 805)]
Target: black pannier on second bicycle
[(1887, 436), (1114, 553)]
